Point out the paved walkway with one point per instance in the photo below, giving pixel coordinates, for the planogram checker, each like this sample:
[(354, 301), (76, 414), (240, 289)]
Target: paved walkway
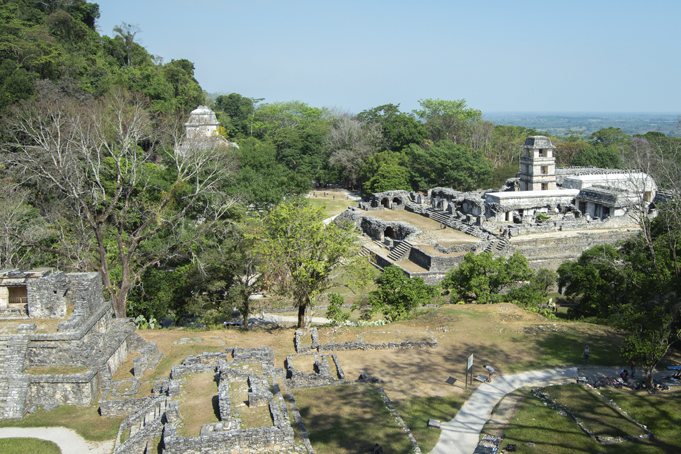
[(461, 434), (68, 440)]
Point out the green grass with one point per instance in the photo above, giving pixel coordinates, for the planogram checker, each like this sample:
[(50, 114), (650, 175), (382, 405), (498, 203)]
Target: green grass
[(565, 348), (418, 410), (86, 421), (552, 433), (27, 446), (602, 420), (349, 419), (332, 207)]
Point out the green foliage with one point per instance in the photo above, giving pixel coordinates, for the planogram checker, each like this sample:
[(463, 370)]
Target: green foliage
[(304, 255), (595, 281), (603, 157), (444, 119), (500, 174), (480, 278), (385, 171), (60, 42), (399, 129), (448, 165), (335, 310), (544, 279), (608, 137), (397, 295), (239, 113)]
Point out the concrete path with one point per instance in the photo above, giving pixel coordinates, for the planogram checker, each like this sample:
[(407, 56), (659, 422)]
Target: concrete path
[(68, 440), (461, 434)]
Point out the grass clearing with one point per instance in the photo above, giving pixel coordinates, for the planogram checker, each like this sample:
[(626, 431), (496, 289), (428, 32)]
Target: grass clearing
[(382, 337), (552, 433), (348, 419), (198, 403), (303, 363), (253, 417), (598, 417), (416, 412), (331, 206), (52, 370), (28, 446), (86, 421)]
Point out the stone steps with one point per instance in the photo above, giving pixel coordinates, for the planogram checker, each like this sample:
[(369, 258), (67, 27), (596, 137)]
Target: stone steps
[(400, 251)]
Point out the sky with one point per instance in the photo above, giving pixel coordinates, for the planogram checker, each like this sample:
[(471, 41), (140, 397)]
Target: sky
[(498, 55)]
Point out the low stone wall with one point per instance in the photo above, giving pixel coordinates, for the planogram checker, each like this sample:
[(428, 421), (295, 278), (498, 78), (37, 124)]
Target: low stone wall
[(262, 439), (314, 340), (123, 407)]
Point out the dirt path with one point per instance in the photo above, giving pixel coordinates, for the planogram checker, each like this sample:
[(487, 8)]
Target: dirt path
[(68, 440)]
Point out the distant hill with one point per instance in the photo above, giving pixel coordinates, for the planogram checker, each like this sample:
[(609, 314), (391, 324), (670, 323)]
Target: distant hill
[(557, 123)]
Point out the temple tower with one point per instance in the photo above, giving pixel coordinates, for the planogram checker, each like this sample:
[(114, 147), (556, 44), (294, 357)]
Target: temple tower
[(537, 165), (202, 122)]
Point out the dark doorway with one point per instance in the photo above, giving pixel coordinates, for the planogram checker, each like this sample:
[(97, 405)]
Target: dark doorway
[(390, 233)]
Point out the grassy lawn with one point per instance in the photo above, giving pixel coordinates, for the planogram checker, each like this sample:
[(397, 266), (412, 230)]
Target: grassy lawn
[(416, 412), (331, 206), (349, 419), (552, 433), (602, 420), (86, 421), (27, 446), (198, 403)]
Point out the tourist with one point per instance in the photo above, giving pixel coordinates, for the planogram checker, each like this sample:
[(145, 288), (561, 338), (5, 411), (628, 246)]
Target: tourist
[(490, 372), (624, 375), (586, 355), (633, 368)]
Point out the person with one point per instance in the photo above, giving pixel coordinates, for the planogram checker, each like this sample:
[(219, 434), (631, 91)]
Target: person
[(490, 372), (586, 355), (624, 375), (633, 368)]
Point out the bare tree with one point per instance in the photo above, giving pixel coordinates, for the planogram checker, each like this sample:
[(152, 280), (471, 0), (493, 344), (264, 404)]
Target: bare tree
[(350, 143), (110, 206)]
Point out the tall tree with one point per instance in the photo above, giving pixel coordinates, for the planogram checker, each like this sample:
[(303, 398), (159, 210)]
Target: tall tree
[(307, 254), (118, 211), (127, 32)]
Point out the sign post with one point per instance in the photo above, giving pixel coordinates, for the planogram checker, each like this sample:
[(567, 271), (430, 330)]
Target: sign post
[(469, 366)]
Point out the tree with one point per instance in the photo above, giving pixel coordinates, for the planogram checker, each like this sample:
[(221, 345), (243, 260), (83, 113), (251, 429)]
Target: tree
[(603, 157), (444, 118), (653, 329), (350, 144), (595, 281), (448, 165), (397, 295), (398, 128), (111, 207), (127, 32), (480, 278), (305, 255), (608, 137), (385, 172)]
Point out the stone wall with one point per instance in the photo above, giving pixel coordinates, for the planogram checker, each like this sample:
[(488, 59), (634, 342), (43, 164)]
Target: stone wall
[(259, 440), (47, 296), (79, 389), (85, 295)]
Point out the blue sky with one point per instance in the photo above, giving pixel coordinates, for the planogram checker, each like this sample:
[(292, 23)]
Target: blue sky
[(550, 55)]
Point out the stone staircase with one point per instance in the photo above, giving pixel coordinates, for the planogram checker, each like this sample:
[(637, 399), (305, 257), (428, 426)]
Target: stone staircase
[(13, 382), (400, 251), (497, 245), (364, 252)]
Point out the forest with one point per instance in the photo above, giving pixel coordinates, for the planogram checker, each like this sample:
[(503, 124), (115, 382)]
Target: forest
[(95, 174)]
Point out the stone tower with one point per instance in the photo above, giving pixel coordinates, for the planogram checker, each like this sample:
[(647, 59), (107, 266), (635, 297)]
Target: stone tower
[(202, 122), (537, 165)]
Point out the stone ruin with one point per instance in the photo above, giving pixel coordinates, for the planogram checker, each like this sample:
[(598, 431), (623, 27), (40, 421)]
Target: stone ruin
[(89, 340), (601, 206)]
